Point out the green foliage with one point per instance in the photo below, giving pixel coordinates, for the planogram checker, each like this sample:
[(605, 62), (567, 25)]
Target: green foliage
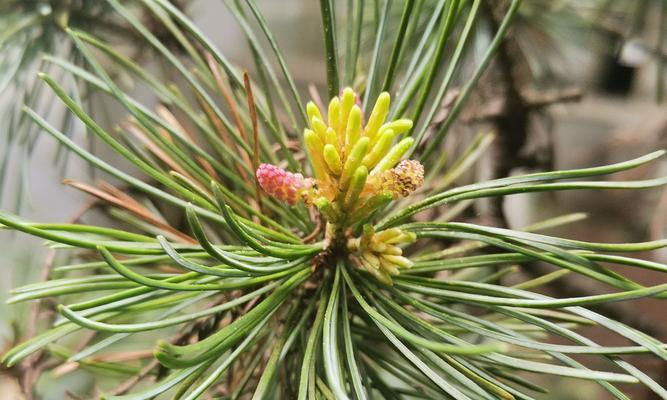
[(248, 295)]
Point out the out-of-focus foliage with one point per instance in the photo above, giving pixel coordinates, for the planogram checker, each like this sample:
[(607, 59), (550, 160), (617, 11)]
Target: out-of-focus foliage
[(30, 29)]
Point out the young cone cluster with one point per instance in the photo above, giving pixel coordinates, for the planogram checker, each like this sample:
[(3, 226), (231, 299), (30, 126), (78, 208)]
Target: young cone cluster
[(358, 169), (355, 165)]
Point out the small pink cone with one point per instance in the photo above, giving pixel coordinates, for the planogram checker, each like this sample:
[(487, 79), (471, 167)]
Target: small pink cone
[(283, 185)]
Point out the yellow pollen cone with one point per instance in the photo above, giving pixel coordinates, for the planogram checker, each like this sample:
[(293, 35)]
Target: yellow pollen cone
[(315, 148), (313, 112), (399, 126), (334, 114), (320, 128), (347, 102), (331, 138), (353, 129), (356, 187), (378, 115), (394, 156), (353, 162), (380, 149), (332, 159)]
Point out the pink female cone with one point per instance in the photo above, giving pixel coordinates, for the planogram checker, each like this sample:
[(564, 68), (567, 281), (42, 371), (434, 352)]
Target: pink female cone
[(283, 185)]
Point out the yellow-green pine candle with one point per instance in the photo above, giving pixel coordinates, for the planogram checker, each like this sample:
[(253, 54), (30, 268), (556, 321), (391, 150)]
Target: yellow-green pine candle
[(380, 149), (403, 237), (347, 102), (334, 114), (353, 162), (388, 267), (320, 128), (380, 275), (388, 234), (398, 260), (378, 115), (394, 156), (332, 159), (378, 247), (353, 129), (392, 250), (313, 112), (315, 148), (371, 259), (356, 187)]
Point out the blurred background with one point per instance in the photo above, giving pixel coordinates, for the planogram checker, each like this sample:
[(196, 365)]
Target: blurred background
[(573, 85)]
